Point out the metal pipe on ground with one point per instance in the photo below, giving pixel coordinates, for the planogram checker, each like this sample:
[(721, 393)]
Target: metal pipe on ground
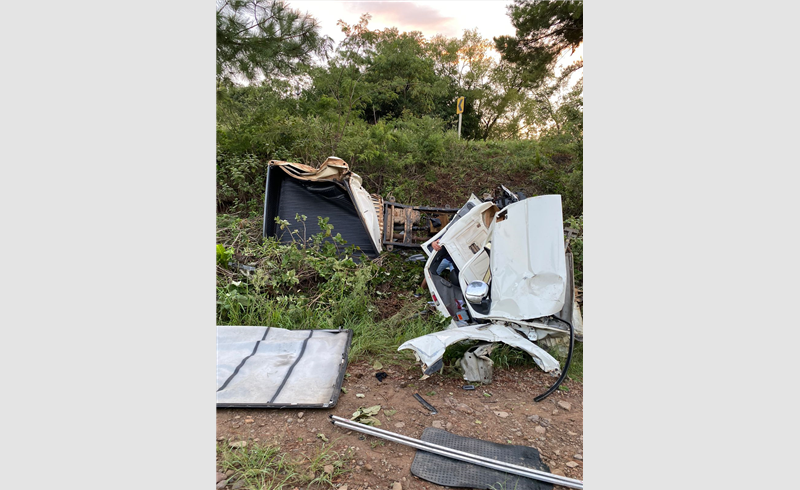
[(459, 455)]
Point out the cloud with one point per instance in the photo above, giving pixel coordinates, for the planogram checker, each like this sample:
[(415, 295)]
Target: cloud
[(407, 16)]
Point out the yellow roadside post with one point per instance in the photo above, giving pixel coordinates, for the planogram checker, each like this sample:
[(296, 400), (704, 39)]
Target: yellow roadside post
[(459, 110)]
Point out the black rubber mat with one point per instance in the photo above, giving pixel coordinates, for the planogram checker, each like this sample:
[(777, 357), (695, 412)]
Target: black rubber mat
[(453, 473)]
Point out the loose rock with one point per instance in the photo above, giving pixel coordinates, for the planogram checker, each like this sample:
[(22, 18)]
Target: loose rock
[(463, 407), (220, 476), (540, 430), (248, 421), (368, 467), (572, 464), (238, 444), (578, 456), (328, 468), (397, 486), (565, 405), (502, 415), (400, 425), (222, 483), (239, 484), (533, 418), (438, 424), (300, 415)]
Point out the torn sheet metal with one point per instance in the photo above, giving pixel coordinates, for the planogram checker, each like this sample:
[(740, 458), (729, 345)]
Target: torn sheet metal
[(430, 348), (577, 320), (276, 368), (473, 201), (477, 366), (529, 273)]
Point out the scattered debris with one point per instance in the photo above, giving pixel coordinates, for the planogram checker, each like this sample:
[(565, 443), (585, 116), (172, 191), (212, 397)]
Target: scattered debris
[(322, 436), (360, 395), (367, 415), (381, 376), (425, 404), (476, 365), (377, 366), (238, 444), (468, 387)]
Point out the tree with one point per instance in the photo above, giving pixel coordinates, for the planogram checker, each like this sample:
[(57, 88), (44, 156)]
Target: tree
[(544, 29), (259, 38)]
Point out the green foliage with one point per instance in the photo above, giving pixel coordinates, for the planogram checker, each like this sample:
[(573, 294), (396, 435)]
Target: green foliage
[(240, 182), (267, 467), (576, 244), (544, 29), (260, 37), (384, 102), (223, 256)]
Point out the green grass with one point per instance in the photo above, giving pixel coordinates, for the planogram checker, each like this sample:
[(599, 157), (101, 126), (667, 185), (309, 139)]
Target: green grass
[(265, 467), (575, 371)]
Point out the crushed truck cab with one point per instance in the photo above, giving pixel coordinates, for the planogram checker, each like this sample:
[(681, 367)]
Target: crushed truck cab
[(501, 275)]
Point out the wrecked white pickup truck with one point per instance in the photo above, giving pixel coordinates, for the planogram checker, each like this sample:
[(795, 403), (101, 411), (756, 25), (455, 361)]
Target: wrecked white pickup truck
[(501, 275)]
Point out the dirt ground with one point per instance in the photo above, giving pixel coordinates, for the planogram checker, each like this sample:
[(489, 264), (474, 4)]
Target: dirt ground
[(502, 412)]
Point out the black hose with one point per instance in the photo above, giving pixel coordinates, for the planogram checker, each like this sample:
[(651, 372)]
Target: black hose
[(566, 366)]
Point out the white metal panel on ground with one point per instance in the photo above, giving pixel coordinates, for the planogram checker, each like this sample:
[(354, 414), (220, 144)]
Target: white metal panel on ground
[(275, 367)]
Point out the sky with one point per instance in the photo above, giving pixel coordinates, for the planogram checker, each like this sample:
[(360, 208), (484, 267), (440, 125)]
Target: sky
[(433, 17)]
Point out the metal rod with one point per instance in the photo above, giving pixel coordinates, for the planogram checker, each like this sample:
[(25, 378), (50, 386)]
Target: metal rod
[(467, 457), (530, 472), (459, 455)]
